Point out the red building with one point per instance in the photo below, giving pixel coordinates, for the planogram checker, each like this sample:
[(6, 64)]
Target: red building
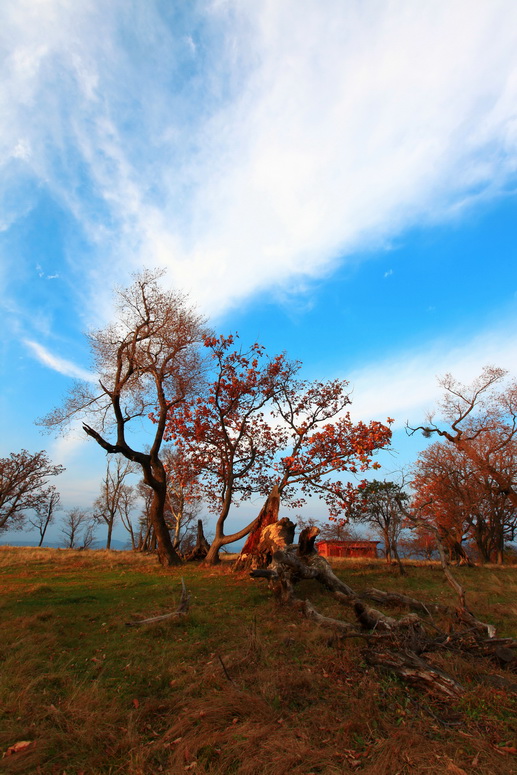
[(347, 548)]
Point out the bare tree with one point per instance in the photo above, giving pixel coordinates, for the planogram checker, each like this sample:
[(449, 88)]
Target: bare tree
[(74, 523), (183, 494), (148, 363), (44, 512), (116, 496), (23, 485), (128, 499)]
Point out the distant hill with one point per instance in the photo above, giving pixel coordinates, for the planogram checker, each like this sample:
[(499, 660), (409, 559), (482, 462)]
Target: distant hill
[(116, 545)]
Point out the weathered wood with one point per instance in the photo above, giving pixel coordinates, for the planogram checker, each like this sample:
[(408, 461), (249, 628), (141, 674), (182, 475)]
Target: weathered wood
[(181, 610), (338, 625), (312, 567), (274, 537), (394, 599), (405, 639), (250, 553), (306, 541), (415, 670)]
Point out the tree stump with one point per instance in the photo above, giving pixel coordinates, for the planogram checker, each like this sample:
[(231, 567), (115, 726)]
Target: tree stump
[(200, 551)]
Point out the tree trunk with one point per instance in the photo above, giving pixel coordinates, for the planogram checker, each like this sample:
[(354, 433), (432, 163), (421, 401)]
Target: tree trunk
[(202, 547), (212, 556), (166, 552), (268, 515), (110, 530)]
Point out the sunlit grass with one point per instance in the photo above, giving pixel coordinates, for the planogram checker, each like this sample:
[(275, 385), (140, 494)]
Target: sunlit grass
[(239, 686)]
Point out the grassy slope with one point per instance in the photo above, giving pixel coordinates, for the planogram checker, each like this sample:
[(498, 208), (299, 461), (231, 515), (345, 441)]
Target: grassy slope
[(98, 697)]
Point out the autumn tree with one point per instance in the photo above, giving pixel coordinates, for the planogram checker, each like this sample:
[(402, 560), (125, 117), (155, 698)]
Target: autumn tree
[(319, 442), (225, 434), (316, 444), (44, 513), (146, 361), (116, 497), (24, 486), (480, 420), (463, 502)]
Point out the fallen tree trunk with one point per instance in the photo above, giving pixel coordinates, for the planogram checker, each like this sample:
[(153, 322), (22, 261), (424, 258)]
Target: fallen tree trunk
[(405, 639)]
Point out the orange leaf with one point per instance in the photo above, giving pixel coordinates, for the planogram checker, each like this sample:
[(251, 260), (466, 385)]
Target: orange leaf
[(22, 745)]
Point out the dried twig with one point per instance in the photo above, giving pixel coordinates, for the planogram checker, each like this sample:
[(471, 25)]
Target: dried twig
[(181, 610)]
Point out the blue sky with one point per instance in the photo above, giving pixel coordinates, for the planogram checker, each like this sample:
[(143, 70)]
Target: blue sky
[(337, 179)]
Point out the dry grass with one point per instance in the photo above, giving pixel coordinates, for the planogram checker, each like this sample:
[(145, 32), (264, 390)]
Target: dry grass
[(239, 688)]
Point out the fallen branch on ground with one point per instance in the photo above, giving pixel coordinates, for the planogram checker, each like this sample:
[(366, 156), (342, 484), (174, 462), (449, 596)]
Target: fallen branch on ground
[(181, 610)]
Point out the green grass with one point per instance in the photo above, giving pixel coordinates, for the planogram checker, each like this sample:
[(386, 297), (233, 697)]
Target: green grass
[(99, 698)]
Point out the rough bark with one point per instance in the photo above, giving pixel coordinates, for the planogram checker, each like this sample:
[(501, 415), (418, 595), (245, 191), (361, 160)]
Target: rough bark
[(248, 557), (415, 670)]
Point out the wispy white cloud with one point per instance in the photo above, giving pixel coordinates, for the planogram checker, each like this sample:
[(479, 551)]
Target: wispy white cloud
[(56, 363), (250, 145), (405, 386)]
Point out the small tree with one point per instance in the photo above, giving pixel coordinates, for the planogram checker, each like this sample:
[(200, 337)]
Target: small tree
[(116, 497), (379, 506), (128, 500), (74, 523), (147, 361), (335, 530), (44, 512), (184, 494), (23, 485)]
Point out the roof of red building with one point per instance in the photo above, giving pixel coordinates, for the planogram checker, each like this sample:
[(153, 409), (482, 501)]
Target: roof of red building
[(352, 544)]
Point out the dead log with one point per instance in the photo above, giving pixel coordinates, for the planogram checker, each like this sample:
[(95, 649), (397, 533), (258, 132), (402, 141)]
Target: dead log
[(181, 610), (392, 599), (416, 671), (251, 556), (200, 550), (404, 639)]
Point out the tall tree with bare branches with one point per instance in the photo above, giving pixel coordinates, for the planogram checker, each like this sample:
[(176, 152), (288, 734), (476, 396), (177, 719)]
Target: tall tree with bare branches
[(115, 495), (146, 361)]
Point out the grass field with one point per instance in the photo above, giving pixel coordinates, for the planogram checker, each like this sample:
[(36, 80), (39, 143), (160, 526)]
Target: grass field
[(240, 686)]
